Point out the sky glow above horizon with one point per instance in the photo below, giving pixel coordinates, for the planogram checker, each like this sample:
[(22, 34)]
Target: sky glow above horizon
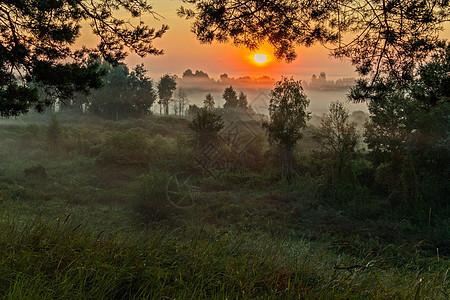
[(182, 51)]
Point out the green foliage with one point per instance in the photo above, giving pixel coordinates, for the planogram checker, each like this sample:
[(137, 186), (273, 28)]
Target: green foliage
[(128, 149), (336, 133), (400, 134), (231, 99), (123, 94), (108, 230), (83, 141), (252, 157), (338, 138), (288, 116), (208, 103), (160, 263), (206, 124), (287, 110), (38, 63), (152, 203), (159, 129), (166, 86)]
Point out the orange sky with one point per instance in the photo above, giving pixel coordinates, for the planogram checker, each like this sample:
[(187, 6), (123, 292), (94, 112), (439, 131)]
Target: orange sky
[(183, 51)]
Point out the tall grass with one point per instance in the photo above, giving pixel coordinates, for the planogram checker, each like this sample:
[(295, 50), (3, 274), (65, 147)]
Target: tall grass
[(73, 257), (98, 225)]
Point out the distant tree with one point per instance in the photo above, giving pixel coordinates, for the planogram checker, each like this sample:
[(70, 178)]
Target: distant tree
[(208, 103), (242, 101), (112, 100), (182, 100), (201, 74), (336, 134), (38, 62), (338, 138), (193, 110), (166, 87), (224, 77), (188, 73), (141, 91), (175, 106), (77, 104), (231, 99), (124, 94), (197, 75), (206, 125), (288, 116)]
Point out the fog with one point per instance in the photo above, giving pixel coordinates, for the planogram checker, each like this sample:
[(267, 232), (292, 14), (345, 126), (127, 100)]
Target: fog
[(320, 91)]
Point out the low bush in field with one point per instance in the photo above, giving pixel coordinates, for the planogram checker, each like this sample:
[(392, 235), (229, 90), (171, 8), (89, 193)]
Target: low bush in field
[(151, 201), (158, 129), (124, 149)]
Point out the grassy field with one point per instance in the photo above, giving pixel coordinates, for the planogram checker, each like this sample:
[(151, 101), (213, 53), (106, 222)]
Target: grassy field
[(99, 209)]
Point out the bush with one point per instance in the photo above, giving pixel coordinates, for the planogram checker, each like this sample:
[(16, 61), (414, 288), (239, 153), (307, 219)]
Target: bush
[(54, 133), (152, 203), (129, 149), (83, 141), (160, 129), (206, 125), (162, 152)]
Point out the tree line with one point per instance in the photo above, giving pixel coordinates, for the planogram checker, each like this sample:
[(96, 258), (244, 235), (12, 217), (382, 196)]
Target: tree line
[(394, 45), (126, 93), (403, 152)]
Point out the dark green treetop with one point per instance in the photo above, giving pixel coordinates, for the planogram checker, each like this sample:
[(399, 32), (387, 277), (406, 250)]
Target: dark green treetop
[(378, 36), (166, 86), (231, 99), (124, 93), (37, 54), (287, 111)]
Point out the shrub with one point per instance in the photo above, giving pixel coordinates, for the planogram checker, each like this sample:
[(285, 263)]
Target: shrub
[(129, 149), (54, 133), (160, 129), (206, 125), (152, 203)]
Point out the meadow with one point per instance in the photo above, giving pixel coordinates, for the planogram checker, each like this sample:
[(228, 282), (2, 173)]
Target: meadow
[(99, 209)]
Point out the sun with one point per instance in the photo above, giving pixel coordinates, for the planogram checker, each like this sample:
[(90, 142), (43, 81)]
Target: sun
[(260, 58)]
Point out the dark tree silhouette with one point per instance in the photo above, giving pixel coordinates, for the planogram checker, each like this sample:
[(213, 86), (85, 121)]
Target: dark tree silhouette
[(166, 86), (337, 138), (408, 131), (206, 125), (242, 101), (231, 99), (193, 110), (377, 35), (36, 46), (124, 94), (182, 100), (208, 103), (288, 116)]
